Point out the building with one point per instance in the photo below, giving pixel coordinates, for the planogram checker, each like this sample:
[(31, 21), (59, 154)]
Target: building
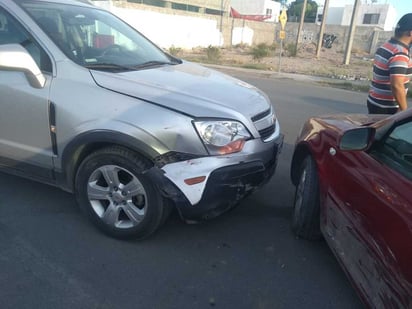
[(370, 14), (175, 23), (212, 7), (258, 7)]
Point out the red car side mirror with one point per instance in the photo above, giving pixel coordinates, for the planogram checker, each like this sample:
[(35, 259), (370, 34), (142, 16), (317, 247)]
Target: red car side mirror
[(357, 139)]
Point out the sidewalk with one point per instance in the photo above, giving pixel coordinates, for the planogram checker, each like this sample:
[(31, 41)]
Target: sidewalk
[(342, 83)]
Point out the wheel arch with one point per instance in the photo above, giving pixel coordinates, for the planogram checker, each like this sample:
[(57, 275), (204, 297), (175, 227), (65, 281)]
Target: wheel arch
[(301, 151), (88, 142)]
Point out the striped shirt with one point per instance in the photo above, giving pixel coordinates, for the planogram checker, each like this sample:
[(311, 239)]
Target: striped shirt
[(391, 59)]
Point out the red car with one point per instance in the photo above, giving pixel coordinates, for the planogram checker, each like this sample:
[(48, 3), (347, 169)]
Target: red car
[(353, 178)]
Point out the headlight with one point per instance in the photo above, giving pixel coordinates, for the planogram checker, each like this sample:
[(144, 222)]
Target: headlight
[(222, 137)]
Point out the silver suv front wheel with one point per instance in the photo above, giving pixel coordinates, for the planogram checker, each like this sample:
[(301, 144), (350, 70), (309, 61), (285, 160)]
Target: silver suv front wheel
[(116, 195)]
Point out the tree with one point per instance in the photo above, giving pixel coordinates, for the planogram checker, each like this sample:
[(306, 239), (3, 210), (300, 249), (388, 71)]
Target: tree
[(283, 2), (295, 9)]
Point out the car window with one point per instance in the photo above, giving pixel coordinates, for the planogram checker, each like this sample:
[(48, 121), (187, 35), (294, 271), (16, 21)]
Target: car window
[(12, 32), (92, 37), (396, 150)]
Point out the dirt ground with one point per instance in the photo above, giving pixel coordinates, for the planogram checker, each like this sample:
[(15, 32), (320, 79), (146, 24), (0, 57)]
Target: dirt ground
[(330, 63)]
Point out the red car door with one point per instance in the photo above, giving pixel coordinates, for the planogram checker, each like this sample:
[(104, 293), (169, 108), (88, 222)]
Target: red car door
[(368, 218)]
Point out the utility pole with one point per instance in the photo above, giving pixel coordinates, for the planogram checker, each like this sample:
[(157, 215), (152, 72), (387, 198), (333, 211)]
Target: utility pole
[(221, 23), (351, 32), (322, 28), (302, 20)]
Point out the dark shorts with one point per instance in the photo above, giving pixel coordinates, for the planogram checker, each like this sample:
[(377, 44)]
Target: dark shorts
[(374, 109)]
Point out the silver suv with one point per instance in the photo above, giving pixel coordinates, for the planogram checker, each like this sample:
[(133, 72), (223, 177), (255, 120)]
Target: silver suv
[(90, 105)]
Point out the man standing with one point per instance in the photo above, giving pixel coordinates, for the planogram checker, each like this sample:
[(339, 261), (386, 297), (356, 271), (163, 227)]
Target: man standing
[(391, 71)]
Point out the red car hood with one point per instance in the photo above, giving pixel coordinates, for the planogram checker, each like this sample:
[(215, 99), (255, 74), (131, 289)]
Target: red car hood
[(334, 125), (347, 121)]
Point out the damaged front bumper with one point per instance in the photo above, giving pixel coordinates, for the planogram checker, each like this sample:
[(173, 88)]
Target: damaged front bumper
[(224, 181)]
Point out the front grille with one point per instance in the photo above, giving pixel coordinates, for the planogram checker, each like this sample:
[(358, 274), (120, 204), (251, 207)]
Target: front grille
[(265, 123), (267, 132), (261, 115)]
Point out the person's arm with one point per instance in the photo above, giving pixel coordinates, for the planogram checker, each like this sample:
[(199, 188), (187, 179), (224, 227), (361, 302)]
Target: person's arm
[(398, 91)]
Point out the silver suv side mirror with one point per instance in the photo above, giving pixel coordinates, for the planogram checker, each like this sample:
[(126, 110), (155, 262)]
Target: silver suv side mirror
[(13, 57)]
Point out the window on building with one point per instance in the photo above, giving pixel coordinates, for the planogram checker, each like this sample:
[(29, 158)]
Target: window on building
[(159, 3), (371, 19), (185, 7), (268, 11), (213, 12)]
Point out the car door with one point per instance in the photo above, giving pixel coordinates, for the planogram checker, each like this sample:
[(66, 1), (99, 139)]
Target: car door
[(25, 139), (369, 217)]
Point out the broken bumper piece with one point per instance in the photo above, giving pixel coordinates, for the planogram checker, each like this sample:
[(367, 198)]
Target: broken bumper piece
[(203, 188)]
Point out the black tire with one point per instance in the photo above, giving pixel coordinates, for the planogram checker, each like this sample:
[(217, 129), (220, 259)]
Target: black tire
[(112, 189), (306, 212)]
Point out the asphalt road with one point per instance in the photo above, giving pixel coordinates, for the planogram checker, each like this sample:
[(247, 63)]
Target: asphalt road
[(52, 257)]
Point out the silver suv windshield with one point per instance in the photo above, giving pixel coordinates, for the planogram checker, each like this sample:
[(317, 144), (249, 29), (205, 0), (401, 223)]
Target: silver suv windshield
[(95, 38)]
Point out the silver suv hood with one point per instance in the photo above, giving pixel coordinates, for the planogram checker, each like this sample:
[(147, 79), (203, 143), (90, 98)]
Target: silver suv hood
[(188, 88)]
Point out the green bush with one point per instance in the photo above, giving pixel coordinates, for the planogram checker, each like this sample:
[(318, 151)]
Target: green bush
[(291, 49), (260, 51), (241, 46), (213, 53), (174, 51)]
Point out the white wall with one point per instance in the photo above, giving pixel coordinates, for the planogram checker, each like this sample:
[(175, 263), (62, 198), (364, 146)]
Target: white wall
[(335, 16), (170, 30), (275, 7), (257, 7), (343, 15), (242, 35), (387, 15), (390, 19), (246, 7)]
